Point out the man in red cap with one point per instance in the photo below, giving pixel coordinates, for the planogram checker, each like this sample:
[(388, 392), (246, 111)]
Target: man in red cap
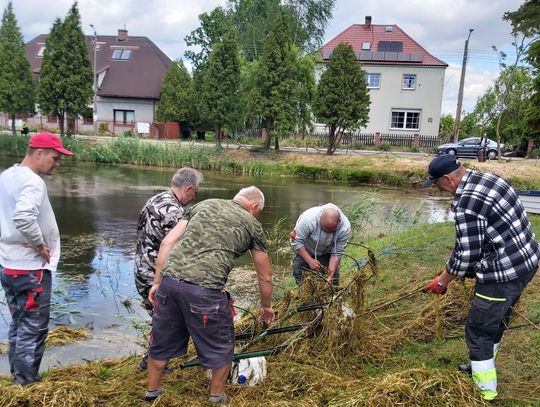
[(29, 252)]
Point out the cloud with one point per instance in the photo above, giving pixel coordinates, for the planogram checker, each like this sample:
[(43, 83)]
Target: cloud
[(476, 83)]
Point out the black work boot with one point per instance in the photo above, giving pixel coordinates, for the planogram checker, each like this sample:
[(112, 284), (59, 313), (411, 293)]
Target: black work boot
[(465, 368)]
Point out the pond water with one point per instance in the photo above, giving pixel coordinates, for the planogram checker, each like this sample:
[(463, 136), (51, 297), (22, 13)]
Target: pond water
[(97, 208)]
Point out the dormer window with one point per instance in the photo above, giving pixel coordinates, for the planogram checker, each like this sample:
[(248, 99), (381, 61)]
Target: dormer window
[(41, 51), (123, 54), (388, 28), (366, 46)]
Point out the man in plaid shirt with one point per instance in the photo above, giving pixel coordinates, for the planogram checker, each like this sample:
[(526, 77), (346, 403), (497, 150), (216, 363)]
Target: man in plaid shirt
[(496, 246)]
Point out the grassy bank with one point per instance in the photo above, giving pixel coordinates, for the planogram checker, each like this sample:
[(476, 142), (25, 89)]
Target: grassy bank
[(379, 168), (394, 351)]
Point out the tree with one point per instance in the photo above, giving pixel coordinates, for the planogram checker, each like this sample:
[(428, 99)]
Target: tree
[(446, 127), (305, 68), (16, 87), (501, 110), (342, 101), (276, 94), (254, 19), (176, 99), (65, 86), (526, 20), (221, 83), (213, 26), (532, 113), (311, 19)]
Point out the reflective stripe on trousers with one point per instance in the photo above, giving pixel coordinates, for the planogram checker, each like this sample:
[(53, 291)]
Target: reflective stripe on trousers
[(485, 377)]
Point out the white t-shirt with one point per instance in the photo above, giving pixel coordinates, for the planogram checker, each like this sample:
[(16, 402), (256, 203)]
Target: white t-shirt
[(26, 219)]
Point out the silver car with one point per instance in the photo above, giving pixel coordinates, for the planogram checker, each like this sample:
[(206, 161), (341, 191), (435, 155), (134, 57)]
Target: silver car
[(469, 148)]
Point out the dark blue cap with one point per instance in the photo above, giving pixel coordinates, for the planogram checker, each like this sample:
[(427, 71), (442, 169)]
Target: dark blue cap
[(439, 166)]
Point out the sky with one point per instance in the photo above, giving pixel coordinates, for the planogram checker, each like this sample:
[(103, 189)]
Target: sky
[(440, 26)]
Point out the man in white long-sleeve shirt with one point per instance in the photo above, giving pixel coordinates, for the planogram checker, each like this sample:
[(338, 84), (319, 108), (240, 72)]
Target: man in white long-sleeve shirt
[(319, 239), (29, 252)]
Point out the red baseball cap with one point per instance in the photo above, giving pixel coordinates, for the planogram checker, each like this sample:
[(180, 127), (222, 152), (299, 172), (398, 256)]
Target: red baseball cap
[(48, 140)]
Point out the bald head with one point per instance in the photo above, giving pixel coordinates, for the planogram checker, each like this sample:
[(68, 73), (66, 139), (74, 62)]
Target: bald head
[(330, 220)]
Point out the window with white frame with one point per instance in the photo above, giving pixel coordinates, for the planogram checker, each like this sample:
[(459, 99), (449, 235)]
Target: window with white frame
[(124, 54), (41, 51), (366, 46), (373, 80), (409, 81), (124, 116), (403, 119)]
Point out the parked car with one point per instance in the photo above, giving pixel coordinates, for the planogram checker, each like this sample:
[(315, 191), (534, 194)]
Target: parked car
[(469, 148)]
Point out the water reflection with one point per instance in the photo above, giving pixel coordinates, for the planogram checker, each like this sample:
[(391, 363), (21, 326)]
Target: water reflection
[(97, 207)]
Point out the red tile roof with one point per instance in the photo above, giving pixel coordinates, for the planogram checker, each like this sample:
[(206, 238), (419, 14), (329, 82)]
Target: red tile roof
[(357, 34), (140, 76)]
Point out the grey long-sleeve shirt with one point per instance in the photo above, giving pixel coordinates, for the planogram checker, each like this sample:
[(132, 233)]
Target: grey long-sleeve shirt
[(317, 242), (26, 219)]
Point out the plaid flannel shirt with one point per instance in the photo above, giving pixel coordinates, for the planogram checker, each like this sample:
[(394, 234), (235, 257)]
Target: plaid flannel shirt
[(494, 239)]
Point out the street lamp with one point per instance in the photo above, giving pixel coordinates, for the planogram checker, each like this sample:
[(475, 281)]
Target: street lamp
[(94, 109)]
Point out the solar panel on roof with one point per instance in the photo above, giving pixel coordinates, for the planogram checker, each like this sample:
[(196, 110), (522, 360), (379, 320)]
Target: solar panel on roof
[(390, 56), (403, 57), (396, 46), (383, 46), (365, 55), (416, 58), (377, 56)]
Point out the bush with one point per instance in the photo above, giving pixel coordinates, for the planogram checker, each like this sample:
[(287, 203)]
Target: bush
[(384, 146)]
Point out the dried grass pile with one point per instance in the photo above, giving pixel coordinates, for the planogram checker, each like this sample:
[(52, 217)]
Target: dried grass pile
[(415, 387), (63, 335)]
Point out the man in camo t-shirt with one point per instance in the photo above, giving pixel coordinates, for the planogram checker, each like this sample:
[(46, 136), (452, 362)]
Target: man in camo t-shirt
[(188, 292), (159, 215)]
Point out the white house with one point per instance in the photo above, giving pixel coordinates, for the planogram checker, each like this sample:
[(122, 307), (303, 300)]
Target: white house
[(129, 71), (405, 81)]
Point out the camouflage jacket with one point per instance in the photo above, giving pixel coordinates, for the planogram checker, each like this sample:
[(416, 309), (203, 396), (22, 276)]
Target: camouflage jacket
[(218, 232), (159, 215)]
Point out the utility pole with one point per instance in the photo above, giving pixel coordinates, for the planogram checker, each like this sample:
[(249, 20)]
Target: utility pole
[(457, 122), (94, 109)]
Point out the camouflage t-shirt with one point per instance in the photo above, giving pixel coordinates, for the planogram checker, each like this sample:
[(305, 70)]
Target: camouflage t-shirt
[(218, 232), (159, 215)]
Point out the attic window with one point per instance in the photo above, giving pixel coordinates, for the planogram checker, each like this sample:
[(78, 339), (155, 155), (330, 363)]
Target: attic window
[(124, 54), (366, 46), (41, 51), (388, 28)]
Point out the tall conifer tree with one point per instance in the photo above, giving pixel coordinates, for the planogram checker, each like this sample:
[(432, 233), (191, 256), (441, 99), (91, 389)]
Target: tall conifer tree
[(66, 79), (176, 99), (342, 101), (220, 93), (16, 87)]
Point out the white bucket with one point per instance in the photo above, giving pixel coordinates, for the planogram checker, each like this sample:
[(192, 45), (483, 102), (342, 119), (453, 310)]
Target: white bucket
[(249, 371)]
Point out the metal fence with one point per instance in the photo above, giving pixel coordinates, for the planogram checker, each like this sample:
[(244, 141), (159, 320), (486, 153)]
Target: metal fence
[(352, 140)]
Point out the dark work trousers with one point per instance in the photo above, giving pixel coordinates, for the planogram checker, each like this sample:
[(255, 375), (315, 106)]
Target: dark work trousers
[(28, 294), (300, 268), (490, 314)]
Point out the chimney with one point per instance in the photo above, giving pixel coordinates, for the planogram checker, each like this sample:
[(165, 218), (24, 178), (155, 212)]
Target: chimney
[(122, 34), (368, 21)]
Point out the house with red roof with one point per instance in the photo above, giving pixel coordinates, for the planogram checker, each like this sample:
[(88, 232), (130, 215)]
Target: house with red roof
[(129, 73), (405, 81)]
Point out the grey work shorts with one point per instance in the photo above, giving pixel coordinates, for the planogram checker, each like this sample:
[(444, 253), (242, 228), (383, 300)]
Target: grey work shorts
[(184, 309)]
